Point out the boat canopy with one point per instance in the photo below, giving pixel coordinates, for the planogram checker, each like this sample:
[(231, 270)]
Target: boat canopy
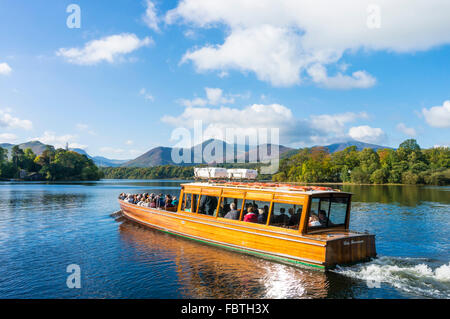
[(267, 186), (223, 173)]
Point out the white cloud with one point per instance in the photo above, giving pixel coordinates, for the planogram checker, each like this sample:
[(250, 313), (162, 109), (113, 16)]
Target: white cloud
[(335, 123), (109, 49), (151, 18), (59, 141), (252, 50), (367, 134), (279, 41), (148, 97), (242, 121), (114, 152), (8, 138), (318, 129), (214, 96), (84, 128), (190, 34), (438, 116), (5, 69), (129, 142), (9, 121), (358, 79), (406, 130), (77, 145)]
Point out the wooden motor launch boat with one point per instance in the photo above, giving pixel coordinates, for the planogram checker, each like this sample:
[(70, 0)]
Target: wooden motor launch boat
[(299, 225)]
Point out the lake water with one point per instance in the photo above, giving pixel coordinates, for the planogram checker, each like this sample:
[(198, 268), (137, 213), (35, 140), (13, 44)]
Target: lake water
[(46, 227)]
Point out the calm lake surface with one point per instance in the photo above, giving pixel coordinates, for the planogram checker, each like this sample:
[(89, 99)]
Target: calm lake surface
[(46, 227)]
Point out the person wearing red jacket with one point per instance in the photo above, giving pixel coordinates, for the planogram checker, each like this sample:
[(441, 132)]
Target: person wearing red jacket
[(250, 216)]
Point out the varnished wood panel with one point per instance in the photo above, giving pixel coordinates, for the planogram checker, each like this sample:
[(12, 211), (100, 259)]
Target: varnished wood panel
[(231, 233)]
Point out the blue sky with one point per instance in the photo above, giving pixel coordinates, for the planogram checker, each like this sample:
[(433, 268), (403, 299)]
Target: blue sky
[(136, 70)]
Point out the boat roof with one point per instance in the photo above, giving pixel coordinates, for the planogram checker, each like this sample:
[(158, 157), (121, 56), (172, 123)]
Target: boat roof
[(271, 187)]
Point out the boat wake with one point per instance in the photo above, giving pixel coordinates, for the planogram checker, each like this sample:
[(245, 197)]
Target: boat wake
[(412, 275)]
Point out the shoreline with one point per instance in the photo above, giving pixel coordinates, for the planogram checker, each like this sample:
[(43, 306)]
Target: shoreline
[(176, 179)]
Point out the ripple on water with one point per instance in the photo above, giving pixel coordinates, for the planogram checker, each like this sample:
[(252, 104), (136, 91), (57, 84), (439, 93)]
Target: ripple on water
[(412, 275)]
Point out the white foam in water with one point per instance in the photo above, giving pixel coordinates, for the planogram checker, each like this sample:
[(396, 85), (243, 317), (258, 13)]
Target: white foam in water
[(443, 273), (407, 274)]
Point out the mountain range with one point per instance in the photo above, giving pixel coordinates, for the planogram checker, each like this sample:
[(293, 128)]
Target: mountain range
[(163, 155)]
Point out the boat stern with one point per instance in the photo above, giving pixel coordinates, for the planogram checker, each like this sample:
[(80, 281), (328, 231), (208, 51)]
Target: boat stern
[(350, 249)]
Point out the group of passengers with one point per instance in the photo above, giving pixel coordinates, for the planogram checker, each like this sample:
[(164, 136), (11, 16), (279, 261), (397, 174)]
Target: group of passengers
[(319, 220), (254, 214), (150, 200)]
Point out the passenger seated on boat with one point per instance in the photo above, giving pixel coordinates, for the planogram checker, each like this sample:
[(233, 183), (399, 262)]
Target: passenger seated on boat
[(208, 205), (153, 203), (323, 219), (313, 220), (129, 199), (188, 205), (175, 201), (145, 203), (247, 207), (250, 216), (295, 218), (168, 201), (261, 219), (142, 200), (223, 208), (263, 214), (161, 202), (233, 213), (282, 219)]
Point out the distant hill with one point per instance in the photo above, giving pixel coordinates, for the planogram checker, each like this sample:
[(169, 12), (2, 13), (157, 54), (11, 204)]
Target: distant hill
[(36, 146), (100, 160), (332, 148), (106, 162), (163, 155), (156, 156)]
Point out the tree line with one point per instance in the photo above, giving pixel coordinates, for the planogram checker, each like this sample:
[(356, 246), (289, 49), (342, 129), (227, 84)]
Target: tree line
[(408, 164), (51, 165), (155, 172)]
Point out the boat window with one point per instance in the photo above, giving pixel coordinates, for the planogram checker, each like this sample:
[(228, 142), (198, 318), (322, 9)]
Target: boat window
[(189, 203), (226, 205), (260, 211), (327, 212), (286, 215), (338, 210), (208, 205)]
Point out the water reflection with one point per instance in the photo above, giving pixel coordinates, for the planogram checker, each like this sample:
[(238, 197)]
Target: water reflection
[(208, 272), (408, 195)]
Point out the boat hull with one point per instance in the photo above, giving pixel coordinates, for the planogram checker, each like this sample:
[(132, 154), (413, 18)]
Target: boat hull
[(254, 239)]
